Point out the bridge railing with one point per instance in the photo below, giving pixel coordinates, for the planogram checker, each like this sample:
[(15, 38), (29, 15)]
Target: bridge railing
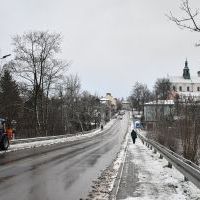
[(190, 170)]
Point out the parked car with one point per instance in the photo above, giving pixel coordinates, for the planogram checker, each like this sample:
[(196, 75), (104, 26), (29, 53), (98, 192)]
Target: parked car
[(115, 116), (137, 124), (120, 117), (121, 112)]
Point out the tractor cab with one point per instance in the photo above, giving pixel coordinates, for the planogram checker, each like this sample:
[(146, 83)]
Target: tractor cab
[(5, 135)]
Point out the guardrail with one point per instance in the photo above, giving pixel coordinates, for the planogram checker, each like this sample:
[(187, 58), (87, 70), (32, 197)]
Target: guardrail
[(27, 140), (190, 170)]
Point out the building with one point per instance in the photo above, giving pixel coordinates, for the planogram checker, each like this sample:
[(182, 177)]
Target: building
[(105, 110), (155, 110), (108, 107), (126, 105), (187, 87), (112, 100)]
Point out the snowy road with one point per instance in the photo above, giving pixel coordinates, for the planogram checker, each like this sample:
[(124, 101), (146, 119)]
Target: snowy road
[(62, 171), (146, 177)]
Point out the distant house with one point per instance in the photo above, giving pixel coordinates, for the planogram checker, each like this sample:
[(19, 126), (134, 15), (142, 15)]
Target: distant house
[(126, 105), (155, 110), (186, 87), (109, 107), (113, 101)]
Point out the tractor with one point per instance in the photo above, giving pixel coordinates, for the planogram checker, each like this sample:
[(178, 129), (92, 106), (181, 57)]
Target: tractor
[(6, 135)]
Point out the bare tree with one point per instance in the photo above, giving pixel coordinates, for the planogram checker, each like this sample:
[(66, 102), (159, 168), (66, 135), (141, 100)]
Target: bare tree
[(89, 110), (35, 62), (162, 88), (188, 112), (189, 18), (72, 86), (139, 95), (53, 72), (188, 126)]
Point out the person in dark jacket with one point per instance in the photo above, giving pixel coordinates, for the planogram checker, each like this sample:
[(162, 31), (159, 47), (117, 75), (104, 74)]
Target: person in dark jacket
[(133, 135)]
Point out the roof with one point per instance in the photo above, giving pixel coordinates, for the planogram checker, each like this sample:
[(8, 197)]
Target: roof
[(104, 99), (161, 102), (180, 79)]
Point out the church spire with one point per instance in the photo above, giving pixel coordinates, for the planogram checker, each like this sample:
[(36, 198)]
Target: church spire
[(186, 63), (186, 71)]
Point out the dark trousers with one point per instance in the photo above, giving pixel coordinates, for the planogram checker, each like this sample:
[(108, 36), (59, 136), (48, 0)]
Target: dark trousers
[(133, 140)]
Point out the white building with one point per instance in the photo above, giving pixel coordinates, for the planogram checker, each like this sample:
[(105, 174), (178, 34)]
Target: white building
[(126, 105), (186, 86), (108, 107), (156, 110), (112, 100)]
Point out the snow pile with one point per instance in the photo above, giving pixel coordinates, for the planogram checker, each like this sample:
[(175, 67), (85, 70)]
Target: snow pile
[(20, 146)]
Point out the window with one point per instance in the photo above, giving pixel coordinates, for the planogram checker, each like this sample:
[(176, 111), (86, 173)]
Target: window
[(180, 88), (198, 88), (174, 88), (188, 89)]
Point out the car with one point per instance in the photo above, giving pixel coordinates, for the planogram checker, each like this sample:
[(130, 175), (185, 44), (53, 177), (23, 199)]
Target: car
[(120, 117), (138, 116), (137, 124), (115, 116), (121, 112)]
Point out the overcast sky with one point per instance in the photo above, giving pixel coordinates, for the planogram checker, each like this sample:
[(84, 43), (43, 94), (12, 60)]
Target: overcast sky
[(112, 43)]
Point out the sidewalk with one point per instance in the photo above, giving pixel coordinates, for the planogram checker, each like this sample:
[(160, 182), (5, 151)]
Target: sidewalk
[(146, 177)]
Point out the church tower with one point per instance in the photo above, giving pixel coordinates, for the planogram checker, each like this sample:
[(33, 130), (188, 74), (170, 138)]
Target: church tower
[(186, 71)]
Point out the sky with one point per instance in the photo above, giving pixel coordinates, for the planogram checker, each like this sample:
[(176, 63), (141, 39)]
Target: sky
[(111, 43)]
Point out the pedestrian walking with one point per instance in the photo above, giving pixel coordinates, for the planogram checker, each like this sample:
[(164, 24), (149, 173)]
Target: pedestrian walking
[(133, 135)]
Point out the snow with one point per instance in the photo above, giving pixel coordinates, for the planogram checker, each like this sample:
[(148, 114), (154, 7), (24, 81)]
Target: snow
[(20, 146), (155, 179), (103, 186), (161, 102), (180, 79)]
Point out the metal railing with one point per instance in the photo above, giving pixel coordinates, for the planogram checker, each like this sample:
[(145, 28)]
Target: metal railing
[(190, 170)]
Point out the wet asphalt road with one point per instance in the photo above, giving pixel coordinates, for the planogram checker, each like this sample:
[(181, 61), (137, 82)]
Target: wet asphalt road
[(62, 171)]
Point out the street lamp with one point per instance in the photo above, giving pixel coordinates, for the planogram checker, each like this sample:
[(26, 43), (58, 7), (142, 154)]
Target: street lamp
[(5, 56)]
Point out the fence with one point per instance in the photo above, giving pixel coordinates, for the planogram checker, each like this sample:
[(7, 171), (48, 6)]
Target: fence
[(190, 170)]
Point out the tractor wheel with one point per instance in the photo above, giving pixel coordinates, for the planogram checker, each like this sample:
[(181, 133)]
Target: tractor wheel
[(4, 144)]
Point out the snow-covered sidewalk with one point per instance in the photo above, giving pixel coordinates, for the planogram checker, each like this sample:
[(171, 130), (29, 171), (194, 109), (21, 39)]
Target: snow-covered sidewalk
[(147, 177)]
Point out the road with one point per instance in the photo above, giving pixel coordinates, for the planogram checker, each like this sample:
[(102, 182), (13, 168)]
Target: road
[(61, 171)]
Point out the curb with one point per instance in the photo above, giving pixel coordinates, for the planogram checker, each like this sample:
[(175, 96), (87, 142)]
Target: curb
[(28, 140)]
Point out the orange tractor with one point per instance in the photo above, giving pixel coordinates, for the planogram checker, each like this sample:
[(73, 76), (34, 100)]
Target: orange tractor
[(6, 134)]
